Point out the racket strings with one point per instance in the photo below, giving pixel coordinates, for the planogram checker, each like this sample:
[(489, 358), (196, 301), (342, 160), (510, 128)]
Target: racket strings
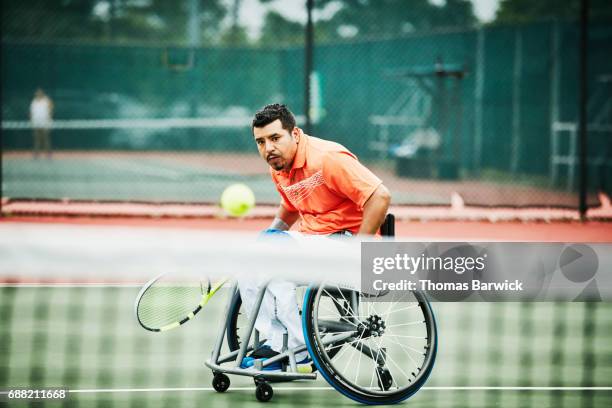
[(166, 303)]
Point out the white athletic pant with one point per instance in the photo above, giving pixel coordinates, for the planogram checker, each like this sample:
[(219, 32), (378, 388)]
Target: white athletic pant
[(278, 312), (279, 309)]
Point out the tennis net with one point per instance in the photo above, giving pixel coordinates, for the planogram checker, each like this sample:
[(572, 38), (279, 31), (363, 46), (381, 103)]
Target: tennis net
[(190, 161), (146, 160), (81, 334)]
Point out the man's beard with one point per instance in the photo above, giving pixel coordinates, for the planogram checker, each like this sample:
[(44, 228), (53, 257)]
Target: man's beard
[(276, 163)]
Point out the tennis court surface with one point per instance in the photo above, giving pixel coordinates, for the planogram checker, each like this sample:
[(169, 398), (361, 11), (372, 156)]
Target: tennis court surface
[(83, 336), (86, 339)]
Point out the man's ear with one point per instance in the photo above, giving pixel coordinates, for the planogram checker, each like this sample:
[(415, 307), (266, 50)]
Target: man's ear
[(296, 133)]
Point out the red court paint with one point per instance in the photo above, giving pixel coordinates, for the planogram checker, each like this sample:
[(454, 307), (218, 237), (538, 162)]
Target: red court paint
[(432, 230)]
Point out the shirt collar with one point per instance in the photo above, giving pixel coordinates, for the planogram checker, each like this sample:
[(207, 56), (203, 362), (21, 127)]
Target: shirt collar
[(300, 156)]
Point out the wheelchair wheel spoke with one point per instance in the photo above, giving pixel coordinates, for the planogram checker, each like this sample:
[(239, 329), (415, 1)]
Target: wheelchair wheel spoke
[(350, 313), (360, 357), (405, 337), (392, 361), (405, 324), (405, 348), (344, 343), (402, 309), (375, 372)]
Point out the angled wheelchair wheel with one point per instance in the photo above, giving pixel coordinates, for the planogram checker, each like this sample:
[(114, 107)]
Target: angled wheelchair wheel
[(372, 352), (237, 321)]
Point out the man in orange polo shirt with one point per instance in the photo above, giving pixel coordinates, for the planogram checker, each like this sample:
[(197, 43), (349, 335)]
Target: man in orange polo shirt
[(320, 182), (325, 187)]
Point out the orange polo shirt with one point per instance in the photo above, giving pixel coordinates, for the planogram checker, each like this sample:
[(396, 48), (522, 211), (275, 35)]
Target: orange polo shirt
[(327, 185)]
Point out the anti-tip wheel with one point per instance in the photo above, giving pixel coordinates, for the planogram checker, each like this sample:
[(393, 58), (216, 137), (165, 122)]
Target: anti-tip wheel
[(264, 392), (220, 382), (385, 380)]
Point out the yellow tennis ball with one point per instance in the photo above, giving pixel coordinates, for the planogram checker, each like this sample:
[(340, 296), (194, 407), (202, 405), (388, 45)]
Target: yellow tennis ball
[(237, 200)]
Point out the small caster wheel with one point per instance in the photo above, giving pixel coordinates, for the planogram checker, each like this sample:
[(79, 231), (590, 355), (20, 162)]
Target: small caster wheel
[(264, 392), (385, 380), (220, 382)]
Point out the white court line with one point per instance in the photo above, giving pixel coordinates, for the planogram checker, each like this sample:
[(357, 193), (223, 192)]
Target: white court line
[(125, 390), (146, 123), (150, 169), (143, 390)]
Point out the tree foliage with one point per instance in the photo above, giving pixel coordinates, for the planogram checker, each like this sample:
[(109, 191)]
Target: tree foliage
[(166, 21), (376, 18), (278, 30), (526, 11), (396, 17), (109, 20)]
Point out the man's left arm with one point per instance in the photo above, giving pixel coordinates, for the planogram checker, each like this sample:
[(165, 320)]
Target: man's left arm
[(344, 174), (374, 211)]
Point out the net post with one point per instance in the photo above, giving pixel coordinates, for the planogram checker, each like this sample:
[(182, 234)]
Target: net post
[(308, 63), (582, 144)]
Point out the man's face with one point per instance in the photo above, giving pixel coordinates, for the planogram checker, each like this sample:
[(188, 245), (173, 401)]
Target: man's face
[(276, 145)]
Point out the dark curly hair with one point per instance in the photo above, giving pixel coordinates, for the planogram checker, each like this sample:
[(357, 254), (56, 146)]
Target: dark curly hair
[(270, 113)]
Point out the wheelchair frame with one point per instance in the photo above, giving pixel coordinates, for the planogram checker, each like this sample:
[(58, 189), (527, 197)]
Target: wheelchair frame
[(257, 372), (218, 362)]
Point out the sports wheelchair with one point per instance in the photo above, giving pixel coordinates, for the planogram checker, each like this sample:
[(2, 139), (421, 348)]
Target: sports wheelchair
[(372, 352)]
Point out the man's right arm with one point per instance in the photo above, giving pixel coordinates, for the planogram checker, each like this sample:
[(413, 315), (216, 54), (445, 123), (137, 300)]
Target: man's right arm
[(284, 219)]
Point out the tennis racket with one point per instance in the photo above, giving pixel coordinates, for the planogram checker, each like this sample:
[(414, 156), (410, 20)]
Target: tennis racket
[(171, 300)]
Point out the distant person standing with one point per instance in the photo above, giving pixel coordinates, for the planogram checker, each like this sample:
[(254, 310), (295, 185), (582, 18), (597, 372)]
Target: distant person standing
[(41, 117)]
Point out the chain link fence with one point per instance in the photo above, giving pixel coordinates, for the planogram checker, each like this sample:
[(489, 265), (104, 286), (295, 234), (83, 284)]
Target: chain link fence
[(153, 103)]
